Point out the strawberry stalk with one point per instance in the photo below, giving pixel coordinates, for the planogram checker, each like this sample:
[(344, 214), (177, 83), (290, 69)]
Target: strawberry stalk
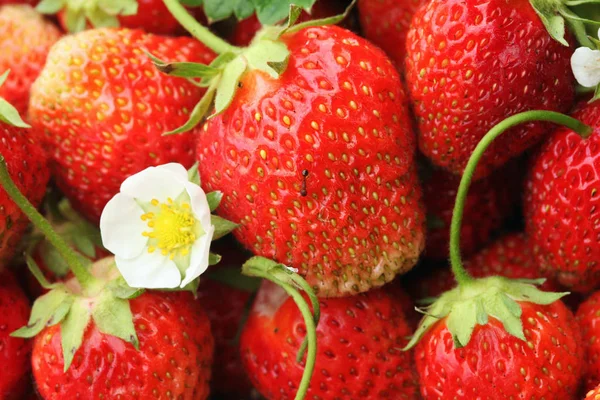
[(460, 274), (73, 261)]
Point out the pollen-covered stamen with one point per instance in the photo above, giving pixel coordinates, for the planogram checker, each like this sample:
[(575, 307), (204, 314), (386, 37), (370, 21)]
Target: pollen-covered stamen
[(172, 228)]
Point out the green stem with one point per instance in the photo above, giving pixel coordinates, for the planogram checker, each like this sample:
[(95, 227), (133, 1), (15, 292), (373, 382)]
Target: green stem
[(197, 30), (81, 273), (460, 274), (311, 330)]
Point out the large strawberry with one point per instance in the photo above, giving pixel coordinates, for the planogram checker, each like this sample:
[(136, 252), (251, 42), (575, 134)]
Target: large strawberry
[(562, 204), (472, 63), (588, 318), (359, 353), (14, 352), (27, 166), (386, 23), (103, 108), (173, 361), (25, 39), (312, 147)]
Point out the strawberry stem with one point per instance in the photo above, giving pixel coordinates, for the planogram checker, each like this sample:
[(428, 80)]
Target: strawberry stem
[(81, 273), (460, 274), (197, 30)]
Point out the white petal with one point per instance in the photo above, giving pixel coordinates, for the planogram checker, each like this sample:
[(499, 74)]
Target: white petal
[(599, 33), (199, 256), (154, 183), (199, 204), (585, 63), (150, 271), (175, 168), (121, 227)]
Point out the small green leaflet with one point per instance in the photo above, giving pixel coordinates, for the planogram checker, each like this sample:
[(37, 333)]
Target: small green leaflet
[(270, 12), (48, 310), (228, 84), (214, 199), (217, 10), (72, 329), (8, 114), (222, 226), (113, 317)]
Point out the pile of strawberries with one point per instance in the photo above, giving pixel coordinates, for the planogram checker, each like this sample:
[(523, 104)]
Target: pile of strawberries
[(343, 148)]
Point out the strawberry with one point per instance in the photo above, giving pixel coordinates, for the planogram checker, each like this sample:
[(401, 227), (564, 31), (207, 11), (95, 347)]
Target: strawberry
[(588, 318), (318, 165), (593, 394), (26, 38), (386, 23), (562, 204), (359, 353), (27, 166), (245, 30), (173, 360), (546, 364), (103, 108), (14, 352), (472, 63), (489, 203)]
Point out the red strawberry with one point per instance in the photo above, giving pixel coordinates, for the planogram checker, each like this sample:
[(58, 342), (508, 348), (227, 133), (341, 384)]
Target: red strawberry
[(489, 202), (588, 317), (14, 352), (104, 107), (593, 394), (562, 204), (30, 2), (359, 353), (25, 39), (173, 360), (471, 64), (386, 23), (317, 165), (245, 30), (544, 365)]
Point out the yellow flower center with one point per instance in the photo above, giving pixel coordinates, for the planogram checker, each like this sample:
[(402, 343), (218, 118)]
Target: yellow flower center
[(172, 228)]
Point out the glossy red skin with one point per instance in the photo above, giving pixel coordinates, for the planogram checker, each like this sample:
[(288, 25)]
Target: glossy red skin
[(174, 360), (386, 23), (473, 63), (547, 366), (510, 256), (93, 151), (588, 318), (362, 190), (14, 352), (27, 166), (358, 355), (489, 202), (562, 204), (245, 30), (225, 307), (25, 39), (30, 2)]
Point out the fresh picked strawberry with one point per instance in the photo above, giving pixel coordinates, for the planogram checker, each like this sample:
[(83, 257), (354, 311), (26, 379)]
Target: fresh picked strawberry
[(103, 108), (245, 30), (495, 334), (562, 204), (471, 64), (25, 39), (14, 352), (359, 354), (489, 202), (27, 166), (588, 318), (386, 23), (312, 147)]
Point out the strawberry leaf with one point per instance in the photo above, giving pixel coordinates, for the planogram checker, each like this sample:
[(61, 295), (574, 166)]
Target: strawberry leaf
[(270, 12), (113, 317), (48, 310), (72, 329)]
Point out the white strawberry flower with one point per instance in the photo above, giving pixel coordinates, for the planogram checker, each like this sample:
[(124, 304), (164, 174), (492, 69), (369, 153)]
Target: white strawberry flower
[(585, 63), (159, 228)]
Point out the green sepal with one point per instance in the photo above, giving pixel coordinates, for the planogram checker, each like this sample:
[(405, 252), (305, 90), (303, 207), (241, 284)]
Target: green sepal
[(194, 174), (548, 11), (184, 69), (9, 114), (72, 329), (48, 310), (222, 226), (228, 83), (99, 13), (214, 259), (214, 199), (38, 274), (334, 20), (121, 290), (197, 114), (113, 317), (596, 95), (473, 303), (233, 277), (50, 6), (268, 56)]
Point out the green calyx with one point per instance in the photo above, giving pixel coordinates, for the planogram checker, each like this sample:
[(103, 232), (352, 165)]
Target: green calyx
[(221, 78), (99, 13), (557, 15), (293, 283), (9, 114), (472, 304), (65, 304)]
